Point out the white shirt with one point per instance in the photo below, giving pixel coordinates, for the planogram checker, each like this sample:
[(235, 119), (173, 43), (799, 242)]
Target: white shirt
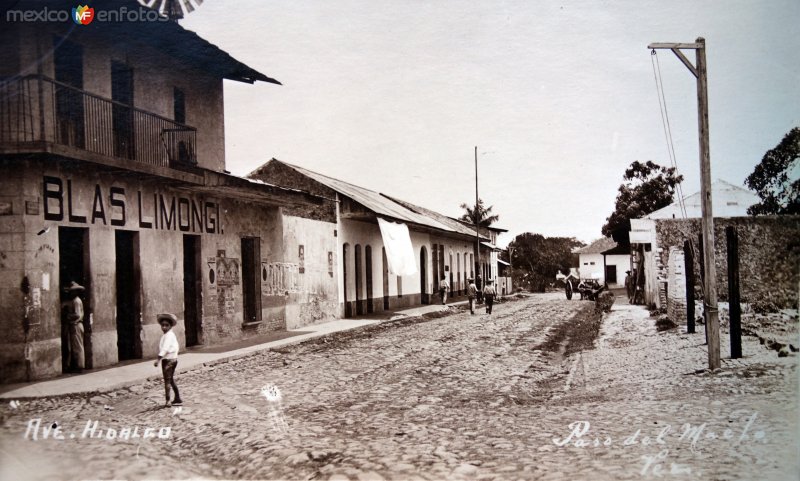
[(168, 346)]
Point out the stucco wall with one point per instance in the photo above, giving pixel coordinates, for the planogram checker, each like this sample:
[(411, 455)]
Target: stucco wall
[(29, 255), (591, 266), (316, 298)]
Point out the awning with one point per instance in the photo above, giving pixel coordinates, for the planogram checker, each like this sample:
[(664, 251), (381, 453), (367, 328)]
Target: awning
[(490, 245), (500, 261), (399, 251)]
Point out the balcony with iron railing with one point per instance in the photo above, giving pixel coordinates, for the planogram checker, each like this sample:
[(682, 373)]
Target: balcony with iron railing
[(38, 114)]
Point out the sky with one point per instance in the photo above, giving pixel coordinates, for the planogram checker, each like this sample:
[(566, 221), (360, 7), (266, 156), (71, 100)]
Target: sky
[(558, 97)]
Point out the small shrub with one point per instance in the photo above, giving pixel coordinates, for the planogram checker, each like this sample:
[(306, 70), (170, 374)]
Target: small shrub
[(604, 302), (764, 304), (664, 323)]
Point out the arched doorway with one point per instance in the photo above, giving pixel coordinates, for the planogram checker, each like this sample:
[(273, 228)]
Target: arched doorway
[(385, 281), (435, 259), (423, 276), (458, 274), (359, 297), (348, 310), (368, 266)]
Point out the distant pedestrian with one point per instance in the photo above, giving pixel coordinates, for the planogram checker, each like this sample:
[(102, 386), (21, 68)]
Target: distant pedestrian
[(444, 286), (488, 295), (168, 355), (479, 285), (73, 313), (472, 291), (629, 286)]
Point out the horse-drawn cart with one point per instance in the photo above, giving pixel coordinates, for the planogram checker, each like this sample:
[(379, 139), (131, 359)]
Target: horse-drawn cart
[(587, 288)]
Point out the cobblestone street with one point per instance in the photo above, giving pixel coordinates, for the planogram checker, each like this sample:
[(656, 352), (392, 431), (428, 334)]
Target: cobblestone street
[(504, 396)]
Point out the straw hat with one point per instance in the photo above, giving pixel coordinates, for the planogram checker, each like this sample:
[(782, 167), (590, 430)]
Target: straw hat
[(167, 317), (74, 286)]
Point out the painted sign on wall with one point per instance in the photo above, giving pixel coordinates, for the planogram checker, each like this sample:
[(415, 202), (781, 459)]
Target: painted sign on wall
[(279, 278), (159, 211)]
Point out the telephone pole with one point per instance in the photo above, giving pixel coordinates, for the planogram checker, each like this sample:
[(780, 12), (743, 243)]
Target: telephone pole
[(710, 282), (477, 228)]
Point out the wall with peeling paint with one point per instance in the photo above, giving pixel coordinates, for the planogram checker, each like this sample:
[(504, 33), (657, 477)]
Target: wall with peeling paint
[(43, 196)]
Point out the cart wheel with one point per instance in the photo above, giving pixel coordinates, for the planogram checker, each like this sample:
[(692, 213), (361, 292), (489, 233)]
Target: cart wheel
[(569, 291)]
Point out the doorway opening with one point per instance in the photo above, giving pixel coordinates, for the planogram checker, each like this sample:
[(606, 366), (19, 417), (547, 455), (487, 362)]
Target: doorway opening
[(251, 279), (423, 278), (129, 343), (122, 110), (192, 289), (73, 266), (368, 267)]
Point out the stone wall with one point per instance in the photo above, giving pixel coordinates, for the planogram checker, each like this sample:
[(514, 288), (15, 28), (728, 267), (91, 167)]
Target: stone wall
[(676, 286), (769, 254)]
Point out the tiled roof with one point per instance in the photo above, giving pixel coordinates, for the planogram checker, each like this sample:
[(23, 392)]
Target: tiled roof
[(598, 247)]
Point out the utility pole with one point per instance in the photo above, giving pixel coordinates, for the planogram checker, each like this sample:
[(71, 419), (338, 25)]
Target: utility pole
[(477, 228), (710, 301)]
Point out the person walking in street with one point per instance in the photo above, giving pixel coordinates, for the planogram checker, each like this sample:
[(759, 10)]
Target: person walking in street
[(73, 312), (472, 291), (444, 286), (168, 355), (488, 295)]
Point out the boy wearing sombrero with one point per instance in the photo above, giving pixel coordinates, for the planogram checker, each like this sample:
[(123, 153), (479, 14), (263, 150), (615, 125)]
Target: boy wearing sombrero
[(168, 355)]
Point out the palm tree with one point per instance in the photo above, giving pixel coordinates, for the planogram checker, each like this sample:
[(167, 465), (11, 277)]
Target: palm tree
[(484, 218)]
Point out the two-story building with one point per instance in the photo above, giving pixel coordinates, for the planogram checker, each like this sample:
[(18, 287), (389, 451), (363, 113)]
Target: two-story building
[(112, 175)]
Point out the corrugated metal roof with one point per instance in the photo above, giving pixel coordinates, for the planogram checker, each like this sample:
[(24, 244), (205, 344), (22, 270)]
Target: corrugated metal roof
[(453, 224), (374, 201)]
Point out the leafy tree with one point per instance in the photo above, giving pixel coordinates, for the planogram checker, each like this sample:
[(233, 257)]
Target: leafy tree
[(485, 219), (777, 178), (646, 187), (537, 259)]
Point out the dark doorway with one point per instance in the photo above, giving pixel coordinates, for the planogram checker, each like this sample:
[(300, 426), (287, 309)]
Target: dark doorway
[(359, 303), (129, 345), (452, 285), (122, 110), (68, 65), (73, 265), (423, 277), (251, 279), (435, 262), (192, 287), (348, 311), (385, 281), (368, 267), (611, 274)]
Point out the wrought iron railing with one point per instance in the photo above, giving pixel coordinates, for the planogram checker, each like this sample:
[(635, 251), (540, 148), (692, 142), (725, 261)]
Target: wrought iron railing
[(38, 109)]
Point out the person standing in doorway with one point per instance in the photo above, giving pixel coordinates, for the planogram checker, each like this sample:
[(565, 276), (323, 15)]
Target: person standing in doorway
[(472, 291), (168, 355), (73, 311), (629, 286), (444, 286), (488, 295)]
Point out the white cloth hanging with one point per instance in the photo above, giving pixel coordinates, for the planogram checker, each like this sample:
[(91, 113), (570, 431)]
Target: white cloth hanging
[(399, 251)]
